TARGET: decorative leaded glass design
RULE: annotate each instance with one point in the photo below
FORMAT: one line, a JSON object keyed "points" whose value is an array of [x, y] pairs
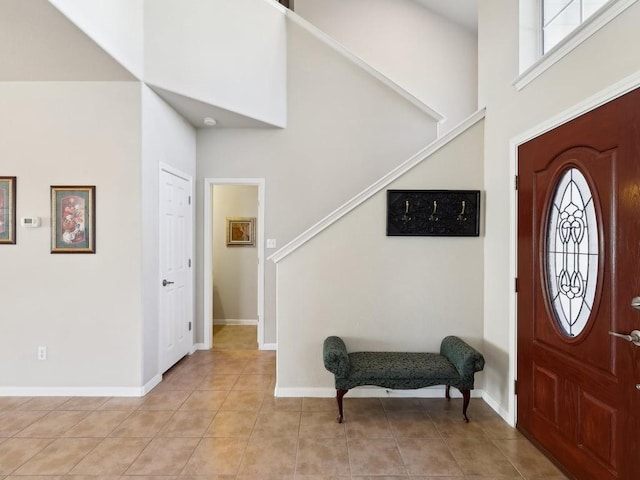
{"points": [[572, 252]]}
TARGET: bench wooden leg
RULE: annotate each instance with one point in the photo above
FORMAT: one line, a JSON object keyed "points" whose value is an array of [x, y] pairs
{"points": [[339, 396], [447, 393], [466, 395]]}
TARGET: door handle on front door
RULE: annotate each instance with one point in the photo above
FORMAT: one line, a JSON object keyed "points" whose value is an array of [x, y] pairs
{"points": [[166, 282], [635, 303], [633, 337]]}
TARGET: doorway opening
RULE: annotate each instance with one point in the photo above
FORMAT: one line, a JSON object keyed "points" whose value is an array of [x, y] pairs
{"points": [[233, 256]]}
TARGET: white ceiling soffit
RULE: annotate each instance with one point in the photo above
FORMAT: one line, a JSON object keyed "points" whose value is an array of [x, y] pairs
{"points": [[462, 12], [195, 111]]}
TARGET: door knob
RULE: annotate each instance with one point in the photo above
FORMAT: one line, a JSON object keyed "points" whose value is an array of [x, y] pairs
{"points": [[635, 303], [166, 282], [633, 337]]}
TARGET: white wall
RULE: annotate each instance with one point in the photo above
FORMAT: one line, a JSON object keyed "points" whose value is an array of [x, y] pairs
{"points": [[38, 43], [116, 25], [379, 292], [166, 139], [428, 55], [235, 269], [85, 308], [230, 54], [345, 131], [601, 61]]}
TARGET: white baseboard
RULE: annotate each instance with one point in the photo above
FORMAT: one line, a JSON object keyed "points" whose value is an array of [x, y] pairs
{"points": [[372, 392], [234, 321], [81, 391], [506, 416], [199, 346], [269, 346]]}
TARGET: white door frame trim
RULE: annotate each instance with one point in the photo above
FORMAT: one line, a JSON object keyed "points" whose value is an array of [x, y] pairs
{"points": [[192, 248], [207, 256], [600, 98]]}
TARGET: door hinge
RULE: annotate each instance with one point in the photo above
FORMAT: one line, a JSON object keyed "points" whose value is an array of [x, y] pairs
{"points": [[189, 326], [516, 284], [515, 387], [189, 263], [515, 183], [189, 199]]}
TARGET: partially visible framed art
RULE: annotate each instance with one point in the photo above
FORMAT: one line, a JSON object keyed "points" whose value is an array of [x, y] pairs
{"points": [[241, 232], [73, 219], [7, 210]]}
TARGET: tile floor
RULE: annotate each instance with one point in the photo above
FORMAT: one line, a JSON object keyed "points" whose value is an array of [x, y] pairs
{"points": [[214, 417]]}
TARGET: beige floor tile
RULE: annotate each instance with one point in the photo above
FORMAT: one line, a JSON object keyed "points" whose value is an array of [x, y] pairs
{"points": [[142, 424], [319, 405], [477, 455], [412, 424], [401, 404], [451, 424], [284, 404], [186, 382], [275, 457], [9, 403], [232, 424], [122, 403], [371, 406], [88, 477], [59, 457], [497, 428], [218, 382], [187, 424], [428, 457], [164, 456], [43, 403], [230, 366], [261, 367], [13, 421], [378, 456], [111, 457], [322, 456], [321, 425], [167, 400], [243, 401], [277, 424], [83, 403], [529, 461], [364, 425], [14, 452], [98, 424], [205, 400], [34, 477], [216, 456], [258, 383], [53, 424], [208, 477]]}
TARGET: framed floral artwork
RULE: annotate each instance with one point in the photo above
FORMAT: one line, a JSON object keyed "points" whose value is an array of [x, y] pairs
{"points": [[73, 219], [7, 210], [241, 232]]}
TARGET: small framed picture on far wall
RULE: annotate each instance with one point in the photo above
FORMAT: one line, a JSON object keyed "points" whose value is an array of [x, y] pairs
{"points": [[241, 231]]}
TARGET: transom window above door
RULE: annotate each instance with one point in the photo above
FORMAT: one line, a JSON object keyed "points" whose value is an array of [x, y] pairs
{"points": [[561, 17]]}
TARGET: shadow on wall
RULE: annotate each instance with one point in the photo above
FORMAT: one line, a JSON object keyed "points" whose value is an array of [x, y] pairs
{"points": [[217, 307], [496, 373]]}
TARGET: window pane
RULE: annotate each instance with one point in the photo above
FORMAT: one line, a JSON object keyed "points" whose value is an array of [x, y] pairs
{"points": [[572, 252], [561, 17]]}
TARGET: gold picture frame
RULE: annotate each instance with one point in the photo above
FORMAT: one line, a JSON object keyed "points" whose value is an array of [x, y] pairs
{"points": [[73, 219], [241, 231], [7, 210]]}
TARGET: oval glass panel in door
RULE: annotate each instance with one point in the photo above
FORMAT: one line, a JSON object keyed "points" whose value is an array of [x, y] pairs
{"points": [[572, 252]]}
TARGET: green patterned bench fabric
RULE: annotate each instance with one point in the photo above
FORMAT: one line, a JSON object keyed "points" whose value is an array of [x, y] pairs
{"points": [[454, 366]]}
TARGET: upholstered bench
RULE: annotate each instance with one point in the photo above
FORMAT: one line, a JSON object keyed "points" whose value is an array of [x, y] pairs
{"points": [[454, 366]]}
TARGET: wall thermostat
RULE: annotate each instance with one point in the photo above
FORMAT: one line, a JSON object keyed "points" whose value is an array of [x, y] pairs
{"points": [[30, 222]]}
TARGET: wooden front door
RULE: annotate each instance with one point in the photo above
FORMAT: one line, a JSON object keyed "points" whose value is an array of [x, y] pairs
{"points": [[578, 271]]}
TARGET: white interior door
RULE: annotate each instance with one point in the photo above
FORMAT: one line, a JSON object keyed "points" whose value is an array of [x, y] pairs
{"points": [[176, 283]]}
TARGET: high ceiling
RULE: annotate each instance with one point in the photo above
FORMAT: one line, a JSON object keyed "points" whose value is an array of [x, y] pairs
{"points": [[463, 12]]}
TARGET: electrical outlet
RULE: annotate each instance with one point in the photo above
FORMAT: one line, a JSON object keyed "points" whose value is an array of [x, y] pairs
{"points": [[42, 353]]}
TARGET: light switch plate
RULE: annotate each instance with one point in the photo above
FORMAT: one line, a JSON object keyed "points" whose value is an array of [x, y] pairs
{"points": [[271, 243]]}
